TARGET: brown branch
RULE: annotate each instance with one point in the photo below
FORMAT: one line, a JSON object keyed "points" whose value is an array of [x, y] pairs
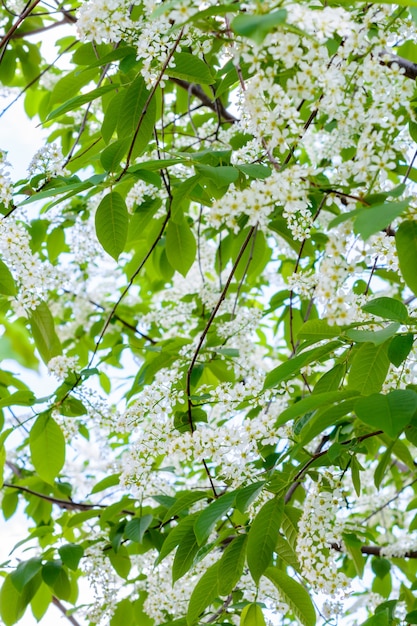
{"points": [[297, 478], [215, 105], [64, 611], [389, 59], [69, 505], [27, 11], [376, 551]]}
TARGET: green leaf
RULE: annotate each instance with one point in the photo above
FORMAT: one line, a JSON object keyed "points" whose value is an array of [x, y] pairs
{"points": [[230, 566], [378, 217], [252, 615], [25, 571], [112, 156], [47, 447], [137, 116], [136, 528], [406, 242], [390, 413], [257, 27], [293, 594], [369, 368], [180, 246], [71, 554], [112, 223], [222, 175], [183, 502], [121, 561], [312, 402], [388, 308], [354, 545], [185, 555], [176, 535], [295, 363], [105, 483], [399, 348], [43, 332], [78, 101], [376, 337], [204, 593], [191, 68], [317, 330], [208, 517], [262, 537], [12, 606], [247, 495], [7, 284]]}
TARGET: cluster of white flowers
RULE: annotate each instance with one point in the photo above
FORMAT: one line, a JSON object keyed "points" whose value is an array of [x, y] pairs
{"points": [[287, 189], [62, 365], [48, 161], [6, 186], [140, 192], [319, 528], [34, 277]]}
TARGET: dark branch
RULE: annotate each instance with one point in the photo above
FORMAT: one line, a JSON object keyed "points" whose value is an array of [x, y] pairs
{"points": [[389, 59], [376, 551], [215, 105], [64, 611]]}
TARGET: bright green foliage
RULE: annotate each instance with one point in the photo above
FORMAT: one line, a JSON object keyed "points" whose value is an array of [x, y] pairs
{"points": [[208, 281]]}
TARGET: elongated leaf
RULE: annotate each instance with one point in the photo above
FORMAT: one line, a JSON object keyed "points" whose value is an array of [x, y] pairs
{"points": [[180, 246], [176, 536], [203, 595], [75, 103], [137, 115], [262, 537], [191, 68], [112, 223], [12, 605], [230, 566], [7, 284], [258, 26], [318, 330], [294, 595], [185, 555], [293, 365], [388, 308], [369, 368], [373, 336], [390, 413], [378, 217], [313, 402], [47, 447], [112, 156], [209, 516], [43, 332], [183, 502], [245, 496], [406, 242]]}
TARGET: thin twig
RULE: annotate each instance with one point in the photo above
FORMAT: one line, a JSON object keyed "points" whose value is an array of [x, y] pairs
{"points": [[64, 611]]}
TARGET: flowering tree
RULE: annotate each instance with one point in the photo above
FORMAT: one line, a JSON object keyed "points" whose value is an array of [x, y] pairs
{"points": [[212, 265]]}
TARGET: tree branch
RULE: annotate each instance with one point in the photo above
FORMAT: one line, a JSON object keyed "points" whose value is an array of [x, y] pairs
{"points": [[215, 105], [64, 611], [376, 551], [388, 58], [69, 505]]}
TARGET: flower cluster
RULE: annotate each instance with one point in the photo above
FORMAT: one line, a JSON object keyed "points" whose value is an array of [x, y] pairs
{"points": [[319, 529], [5, 181], [47, 161]]}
